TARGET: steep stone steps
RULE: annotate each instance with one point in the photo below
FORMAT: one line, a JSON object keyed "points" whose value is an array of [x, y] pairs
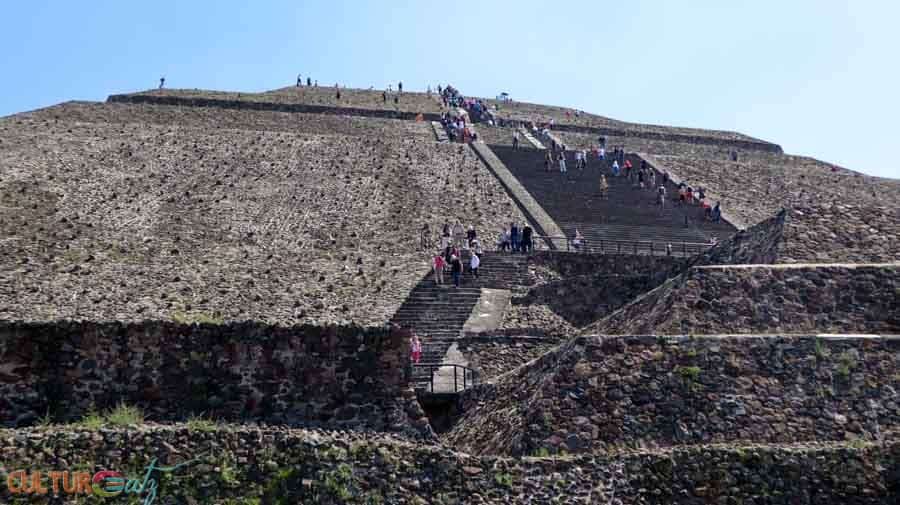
{"points": [[437, 314], [531, 138], [628, 214]]}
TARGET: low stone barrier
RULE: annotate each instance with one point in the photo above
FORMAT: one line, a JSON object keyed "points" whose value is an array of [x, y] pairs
{"points": [[270, 106], [338, 377], [673, 137], [600, 393], [243, 464]]}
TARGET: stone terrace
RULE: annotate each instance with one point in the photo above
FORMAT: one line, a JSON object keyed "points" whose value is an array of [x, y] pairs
{"points": [[523, 111], [244, 464], [212, 118], [132, 221], [574, 140], [320, 96], [601, 394], [821, 234], [756, 187], [765, 299]]}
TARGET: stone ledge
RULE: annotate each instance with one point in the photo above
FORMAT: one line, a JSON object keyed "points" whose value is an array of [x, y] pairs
{"points": [[269, 465], [270, 106], [672, 137]]}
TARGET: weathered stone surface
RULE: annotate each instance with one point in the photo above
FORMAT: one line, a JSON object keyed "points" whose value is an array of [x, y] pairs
{"points": [[566, 120], [759, 185], [294, 98], [234, 464], [800, 298], [569, 290], [494, 353], [132, 220], [337, 377], [597, 394]]}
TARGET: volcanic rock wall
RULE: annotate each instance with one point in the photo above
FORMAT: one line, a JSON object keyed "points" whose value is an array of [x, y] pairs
{"points": [[597, 394], [765, 299], [269, 465], [571, 290], [339, 377]]}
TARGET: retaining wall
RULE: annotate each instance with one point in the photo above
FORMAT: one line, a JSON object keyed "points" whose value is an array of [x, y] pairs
{"points": [[270, 466], [270, 106], [339, 377]]}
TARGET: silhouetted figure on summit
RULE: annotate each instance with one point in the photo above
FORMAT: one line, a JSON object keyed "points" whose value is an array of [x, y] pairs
{"points": [[162, 82], [308, 81], [299, 81], [400, 86]]}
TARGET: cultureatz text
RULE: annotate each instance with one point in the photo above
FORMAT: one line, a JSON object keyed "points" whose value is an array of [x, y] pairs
{"points": [[105, 483]]}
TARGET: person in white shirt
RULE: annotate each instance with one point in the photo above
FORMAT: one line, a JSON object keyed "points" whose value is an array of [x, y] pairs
{"points": [[578, 240], [474, 264], [562, 164]]}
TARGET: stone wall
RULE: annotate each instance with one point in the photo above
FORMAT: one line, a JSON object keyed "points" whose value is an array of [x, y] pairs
{"points": [[672, 137], [270, 106], [339, 377], [842, 298], [600, 394], [498, 351], [272, 466], [572, 290]]}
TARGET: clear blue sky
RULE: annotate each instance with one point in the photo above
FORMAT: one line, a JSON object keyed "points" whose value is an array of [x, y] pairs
{"points": [[819, 77]]}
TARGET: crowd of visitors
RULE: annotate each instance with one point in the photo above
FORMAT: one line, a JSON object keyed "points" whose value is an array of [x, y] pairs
{"points": [[455, 242]]}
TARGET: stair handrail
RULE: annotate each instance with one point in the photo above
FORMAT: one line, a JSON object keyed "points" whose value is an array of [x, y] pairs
{"points": [[466, 373], [625, 245]]}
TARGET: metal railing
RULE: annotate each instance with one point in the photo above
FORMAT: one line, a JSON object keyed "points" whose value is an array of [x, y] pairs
{"points": [[561, 243], [621, 246], [462, 376]]}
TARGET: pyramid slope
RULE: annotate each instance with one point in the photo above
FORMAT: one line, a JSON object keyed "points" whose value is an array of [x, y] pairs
{"points": [[599, 394], [134, 220]]}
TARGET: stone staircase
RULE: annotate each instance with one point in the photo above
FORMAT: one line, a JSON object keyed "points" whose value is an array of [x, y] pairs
{"points": [[440, 133], [531, 138], [437, 314], [627, 216]]}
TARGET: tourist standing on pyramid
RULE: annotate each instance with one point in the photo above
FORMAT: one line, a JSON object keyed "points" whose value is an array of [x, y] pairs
{"points": [[514, 236], [474, 263], [299, 81], [515, 139], [425, 237], [471, 235], [456, 269], [445, 236], [308, 81], [459, 233], [162, 82], [438, 263], [415, 348], [527, 240]]}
